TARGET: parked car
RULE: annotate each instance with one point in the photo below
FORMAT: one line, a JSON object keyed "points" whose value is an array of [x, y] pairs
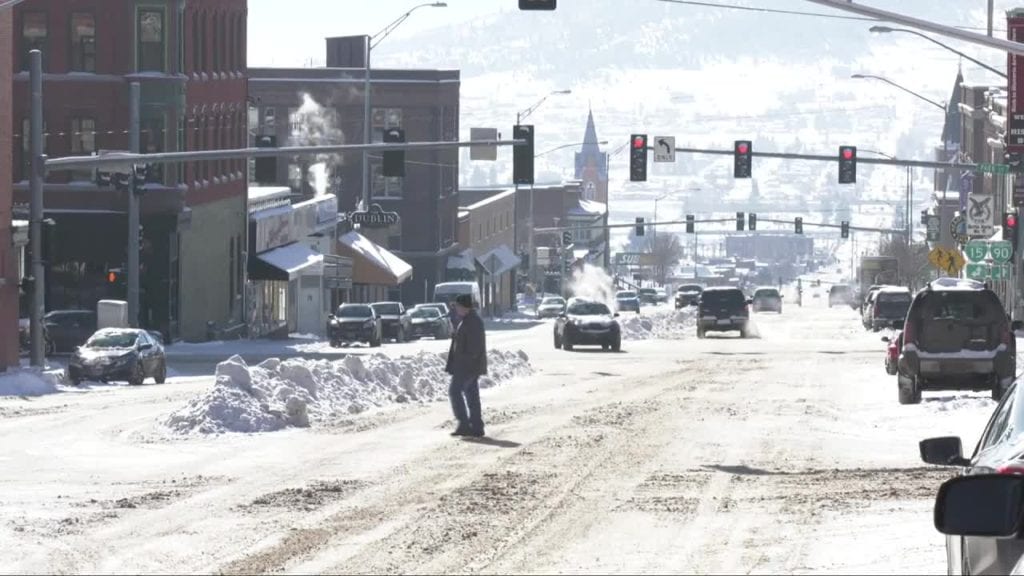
{"points": [[865, 305], [627, 301], [839, 295], [688, 295], [354, 323], [443, 309], [723, 309], [648, 295], [662, 295], [892, 353], [982, 508], [889, 307], [588, 323], [956, 336], [997, 452], [394, 319], [767, 300], [551, 307], [428, 321], [65, 330], [112, 354]]}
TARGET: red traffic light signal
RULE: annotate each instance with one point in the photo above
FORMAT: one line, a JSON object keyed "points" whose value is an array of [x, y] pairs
{"points": [[742, 147], [847, 153], [111, 277], [1011, 220], [639, 142]]}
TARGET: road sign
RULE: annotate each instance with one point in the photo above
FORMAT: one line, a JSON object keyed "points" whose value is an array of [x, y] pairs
{"points": [[956, 262], [981, 215], [664, 148], [994, 168], [1001, 251], [488, 153], [933, 228], [1000, 272], [976, 251], [958, 229], [978, 271], [948, 260], [493, 264]]}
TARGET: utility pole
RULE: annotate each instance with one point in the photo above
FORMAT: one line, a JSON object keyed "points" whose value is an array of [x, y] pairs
{"points": [[366, 127], [991, 10], [36, 210], [135, 106]]}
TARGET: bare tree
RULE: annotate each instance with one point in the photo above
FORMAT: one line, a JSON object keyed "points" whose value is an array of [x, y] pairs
{"points": [[666, 251], [915, 270]]}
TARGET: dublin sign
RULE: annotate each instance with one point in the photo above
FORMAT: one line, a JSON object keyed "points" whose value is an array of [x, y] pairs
{"points": [[375, 217]]}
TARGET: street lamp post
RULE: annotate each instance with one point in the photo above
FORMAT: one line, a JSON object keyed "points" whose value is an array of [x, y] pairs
{"points": [[371, 43], [899, 86], [520, 116], [888, 29]]}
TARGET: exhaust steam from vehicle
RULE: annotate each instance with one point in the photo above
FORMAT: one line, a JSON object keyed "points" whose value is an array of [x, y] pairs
{"points": [[593, 283]]}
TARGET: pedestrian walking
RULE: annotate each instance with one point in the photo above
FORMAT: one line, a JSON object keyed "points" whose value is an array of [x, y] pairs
{"points": [[467, 361]]}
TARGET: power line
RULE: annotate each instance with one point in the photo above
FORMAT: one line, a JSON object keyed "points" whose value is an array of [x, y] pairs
{"points": [[795, 12]]}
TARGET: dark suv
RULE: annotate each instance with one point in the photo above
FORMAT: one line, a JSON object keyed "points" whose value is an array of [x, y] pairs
{"points": [[722, 309], [394, 319], [956, 336]]}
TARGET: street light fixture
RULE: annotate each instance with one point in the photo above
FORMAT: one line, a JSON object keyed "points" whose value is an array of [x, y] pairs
{"points": [[371, 43], [520, 116], [901, 87], [888, 29]]}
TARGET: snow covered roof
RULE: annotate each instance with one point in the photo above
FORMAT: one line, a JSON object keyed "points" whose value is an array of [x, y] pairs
{"points": [[378, 256], [504, 259], [956, 284], [292, 258]]}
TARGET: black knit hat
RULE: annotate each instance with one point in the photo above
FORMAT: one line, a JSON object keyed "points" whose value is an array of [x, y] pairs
{"points": [[464, 300]]}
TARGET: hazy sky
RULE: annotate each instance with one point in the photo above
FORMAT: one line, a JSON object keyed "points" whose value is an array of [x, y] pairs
{"points": [[290, 32]]}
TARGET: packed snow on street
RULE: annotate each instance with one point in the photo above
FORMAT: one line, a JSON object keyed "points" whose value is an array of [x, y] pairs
{"points": [[784, 453]]}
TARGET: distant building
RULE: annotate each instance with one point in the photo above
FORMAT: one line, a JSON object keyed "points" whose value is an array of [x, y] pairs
{"points": [[592, 165], [487, 239]]}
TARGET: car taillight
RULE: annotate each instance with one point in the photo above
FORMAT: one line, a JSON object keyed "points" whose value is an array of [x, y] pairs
{"points": [[909, 332], [1011, 469]]}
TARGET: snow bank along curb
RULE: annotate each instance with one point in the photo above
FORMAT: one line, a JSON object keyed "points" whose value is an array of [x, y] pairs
{"points": [[277, 394], [29, 382], [675, 325]]}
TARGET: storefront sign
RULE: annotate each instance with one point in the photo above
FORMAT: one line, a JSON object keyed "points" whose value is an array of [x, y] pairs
{"points": [[274, 228], [1015, 83], [375, 217]]}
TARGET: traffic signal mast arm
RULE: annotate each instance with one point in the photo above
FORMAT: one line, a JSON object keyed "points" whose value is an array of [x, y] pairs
{"points": [[788, 223], [832, 159]]}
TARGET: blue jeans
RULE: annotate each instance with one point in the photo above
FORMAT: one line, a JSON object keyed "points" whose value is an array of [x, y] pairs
{"points": [[465, 391]]}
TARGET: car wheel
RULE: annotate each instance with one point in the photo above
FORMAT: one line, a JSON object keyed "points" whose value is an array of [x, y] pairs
{"points": [[617, 345], [558, 343], [744, 333], [375, 343], [400, 337], [566, 345], [909, 391], [138, 375], [161, 374], [700, 333]]}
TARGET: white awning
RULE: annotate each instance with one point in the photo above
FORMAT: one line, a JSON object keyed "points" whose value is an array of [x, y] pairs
{"points": [[294, 258], [462, 261], [498, 261], [383, 259]]}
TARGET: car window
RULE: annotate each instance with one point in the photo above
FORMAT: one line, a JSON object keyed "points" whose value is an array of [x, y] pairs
{"points": [[354, 312], [588, 309], [1000, 426], [112, 340], [722, 297], [429, 313], [626, 295], [955, 307], [558, 301], [767, 293], [391, 308]]}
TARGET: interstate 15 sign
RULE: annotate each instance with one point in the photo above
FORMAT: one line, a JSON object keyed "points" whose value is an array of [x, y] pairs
{"points": [[375, 217]]}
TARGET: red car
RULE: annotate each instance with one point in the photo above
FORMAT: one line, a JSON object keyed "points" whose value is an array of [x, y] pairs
{"points": [[892, 355]]}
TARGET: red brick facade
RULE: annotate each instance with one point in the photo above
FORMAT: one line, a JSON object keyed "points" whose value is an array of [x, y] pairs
{"points": [[8, 261]]}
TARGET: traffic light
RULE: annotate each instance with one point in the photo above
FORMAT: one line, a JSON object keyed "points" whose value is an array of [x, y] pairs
{"points": [[113, 276], [798, 225], [394, 160], [742, 154], [847, 164], [122, 181], [1010, 228], [740, 221], [522, 156], [689, 224], [538, 4], [266, 166], [566, 238], [752, 222], [104, 179], [639, 226], [845, 227], [638, 158], [140, 173]]}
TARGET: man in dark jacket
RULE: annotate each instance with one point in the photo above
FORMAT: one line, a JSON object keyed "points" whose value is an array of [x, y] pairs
{"points": [[467, 361]]}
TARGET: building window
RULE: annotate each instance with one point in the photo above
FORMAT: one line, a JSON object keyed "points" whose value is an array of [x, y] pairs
{"points": [[241, 42], [197, 44], [224, 44], [83, 143], [390, 187], [151, 141], [83, 42], [384, 118], [216, 46], [151, 41], [34, 33]]}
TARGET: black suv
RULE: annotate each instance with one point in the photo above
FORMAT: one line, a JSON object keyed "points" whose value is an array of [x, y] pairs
{"points": [[688, 295], [956, 336], [722, 309], [395, 320], [354, 323]]}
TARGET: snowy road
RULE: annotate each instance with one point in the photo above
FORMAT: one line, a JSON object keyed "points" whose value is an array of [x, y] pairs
{"points": [[787, 453]]}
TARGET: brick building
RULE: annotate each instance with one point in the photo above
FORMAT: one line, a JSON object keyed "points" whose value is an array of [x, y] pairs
{"points": [[190, 59], [424, 103], [486, 238], [9, 261]]}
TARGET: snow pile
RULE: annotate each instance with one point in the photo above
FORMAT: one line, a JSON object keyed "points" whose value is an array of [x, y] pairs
{"points": [[674, 325], [27, 383], [277, 394], [594, 284]]}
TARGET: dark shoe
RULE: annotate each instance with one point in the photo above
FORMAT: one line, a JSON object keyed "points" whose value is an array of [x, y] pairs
{"points": [[462, 431], [476, 433]]}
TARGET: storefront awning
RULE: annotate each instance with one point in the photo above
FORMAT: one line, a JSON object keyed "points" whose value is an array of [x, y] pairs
{"points": [[498, 261], [286, 263], [462, 261], [373, 264]]}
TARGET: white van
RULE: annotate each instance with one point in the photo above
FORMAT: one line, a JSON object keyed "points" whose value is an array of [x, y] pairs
{"points": [[446, 292]]}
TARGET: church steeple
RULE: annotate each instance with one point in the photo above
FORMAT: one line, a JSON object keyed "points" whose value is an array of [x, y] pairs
{"points": [[590, 142]]}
